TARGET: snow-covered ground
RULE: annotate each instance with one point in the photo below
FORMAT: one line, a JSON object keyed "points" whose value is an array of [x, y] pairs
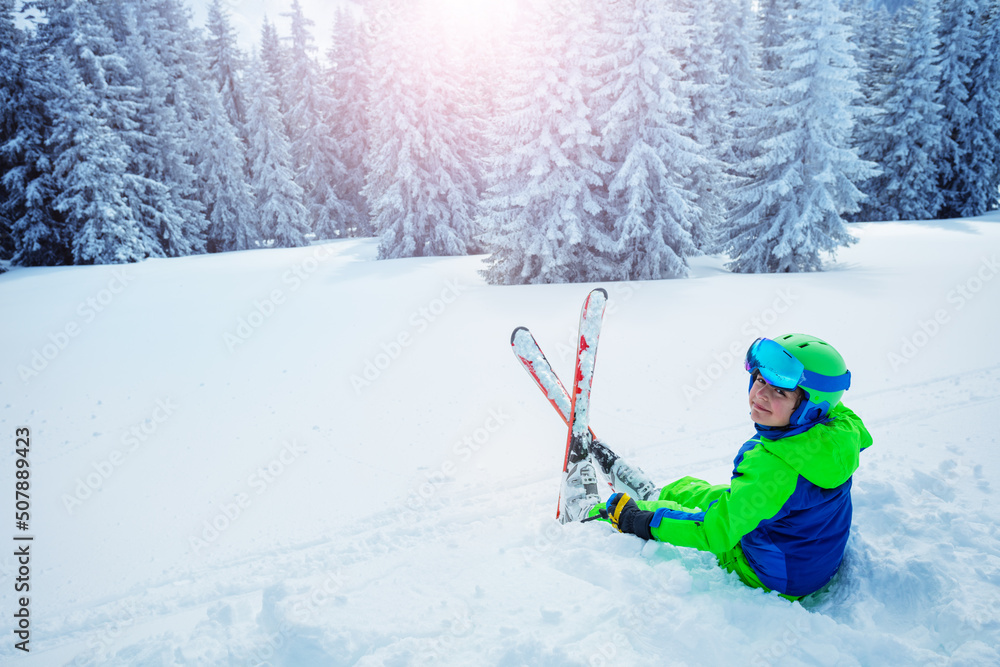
{"points": [[306, 457]]}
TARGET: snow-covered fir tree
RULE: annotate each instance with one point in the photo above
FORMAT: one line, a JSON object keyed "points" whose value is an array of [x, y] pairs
{"points": [[221, 167], [473, 62], [206, 132], [891, 6], [314, 150], [740, 82], [169, 206], [709, 124], [806, 175], [275, 59], [545, 211], [90, 171], [39, 233], [99, 195], [349, 78], [645, 140], [282, 217], [775, 16], [976, 190], [225, 64], [11, 43], [959, 52], [873, 30], [232, 219], [741, 97], [420, 186], [210, 140], [905, 137]]}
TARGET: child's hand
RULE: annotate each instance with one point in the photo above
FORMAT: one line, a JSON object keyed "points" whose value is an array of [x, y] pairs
{"points": [[625, 515]]}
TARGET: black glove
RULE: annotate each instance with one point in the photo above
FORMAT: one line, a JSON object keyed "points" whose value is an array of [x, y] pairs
{"points": [[626, 516]]}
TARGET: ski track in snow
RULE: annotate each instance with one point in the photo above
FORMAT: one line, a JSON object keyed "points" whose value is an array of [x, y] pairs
{"points": [[469, 566]]}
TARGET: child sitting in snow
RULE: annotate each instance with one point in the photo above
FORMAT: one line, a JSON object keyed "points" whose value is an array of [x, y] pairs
{"points": [[783, 520]]}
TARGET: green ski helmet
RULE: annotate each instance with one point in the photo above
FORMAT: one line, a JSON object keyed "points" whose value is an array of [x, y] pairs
{"points": [[800, 360]]}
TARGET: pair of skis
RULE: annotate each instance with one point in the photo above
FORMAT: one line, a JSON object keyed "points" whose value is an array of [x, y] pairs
{"points": [[581, 443]]}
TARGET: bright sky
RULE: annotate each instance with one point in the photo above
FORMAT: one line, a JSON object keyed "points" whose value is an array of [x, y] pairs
{"points": [[248, 15], [471, 17]]}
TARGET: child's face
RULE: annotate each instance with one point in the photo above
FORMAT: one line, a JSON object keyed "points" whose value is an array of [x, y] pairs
{"points": [[771, 406]]}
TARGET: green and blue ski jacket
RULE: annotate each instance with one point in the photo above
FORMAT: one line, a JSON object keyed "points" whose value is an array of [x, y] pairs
{"points": [[783, 520]]}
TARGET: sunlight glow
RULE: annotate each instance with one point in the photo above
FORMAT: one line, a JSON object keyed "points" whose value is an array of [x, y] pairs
{"points": [[474, 16]]}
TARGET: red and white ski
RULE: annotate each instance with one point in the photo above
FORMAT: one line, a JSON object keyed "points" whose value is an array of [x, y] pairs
{"points": [[579, 437], [530, 354], [620, 475]]}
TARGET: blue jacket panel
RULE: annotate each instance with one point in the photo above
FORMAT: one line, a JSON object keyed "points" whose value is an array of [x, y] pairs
{"points": [[798, 550]]}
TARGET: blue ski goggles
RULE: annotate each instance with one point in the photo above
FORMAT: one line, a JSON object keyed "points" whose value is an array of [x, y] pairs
{"points": [[776, 365]]}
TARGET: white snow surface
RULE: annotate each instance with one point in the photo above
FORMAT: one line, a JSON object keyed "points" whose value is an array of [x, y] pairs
{"points": [[368, 477]]}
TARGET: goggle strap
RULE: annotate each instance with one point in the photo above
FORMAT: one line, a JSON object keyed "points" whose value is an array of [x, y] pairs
{"points": [[827, 383]]}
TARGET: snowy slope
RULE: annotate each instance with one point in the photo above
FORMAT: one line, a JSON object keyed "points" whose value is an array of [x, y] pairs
{"points": [[305, 456]]}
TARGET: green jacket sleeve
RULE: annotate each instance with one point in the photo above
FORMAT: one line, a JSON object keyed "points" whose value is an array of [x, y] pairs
{"points": [[761, 486], [693, 492]]}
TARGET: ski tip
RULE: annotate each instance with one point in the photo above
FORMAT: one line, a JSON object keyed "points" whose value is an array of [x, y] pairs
{"points": [[597, 295], [513, 334]]}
